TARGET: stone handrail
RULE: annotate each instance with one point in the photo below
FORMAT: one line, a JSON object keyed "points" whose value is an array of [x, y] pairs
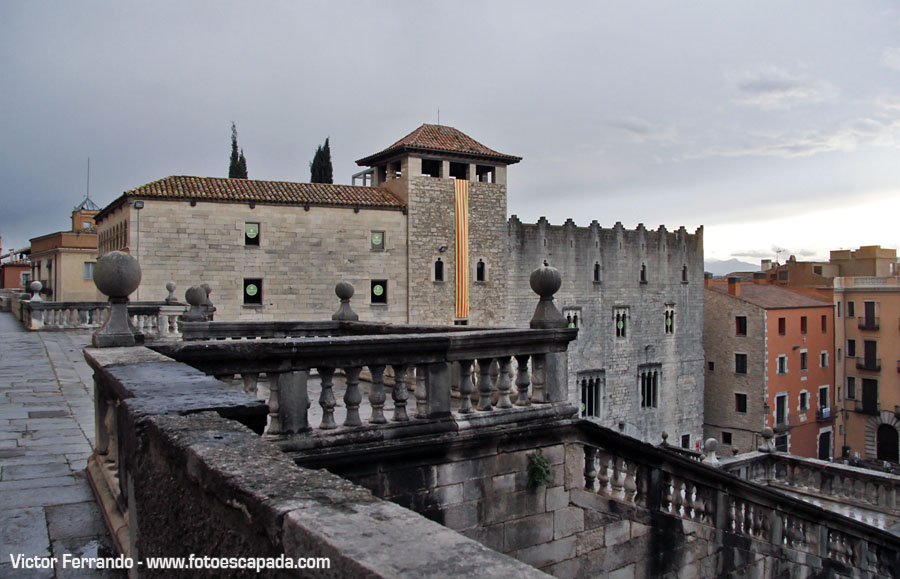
{"points": [[865, 488], [428, 363], [155, 320], [645, 477], [192, 331]]}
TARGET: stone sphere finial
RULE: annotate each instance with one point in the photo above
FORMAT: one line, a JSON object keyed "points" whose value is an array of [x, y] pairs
{"points": [[36, 288], [711, 446], [196, 297], [344, 291], [768, 444], [546, 281], [665, 437], [170, 287], [768, 433], [117, 274]]}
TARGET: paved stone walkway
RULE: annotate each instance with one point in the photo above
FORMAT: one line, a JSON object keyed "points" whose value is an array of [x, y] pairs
{"points": [[46, 436]]}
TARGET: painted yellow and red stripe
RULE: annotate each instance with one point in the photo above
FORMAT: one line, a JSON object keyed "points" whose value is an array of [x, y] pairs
{"points": [[462, 248]]}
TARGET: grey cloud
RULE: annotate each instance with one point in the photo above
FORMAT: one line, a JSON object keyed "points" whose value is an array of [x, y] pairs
{"points": [[772, 88], [641, 130], [890, 57]]}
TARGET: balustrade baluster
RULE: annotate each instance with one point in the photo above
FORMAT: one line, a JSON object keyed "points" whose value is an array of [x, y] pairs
{"points": [[689, 505], [400, 393], [590, 471], [274, 424], [677, 496], [421, 391], [352, 396], [503, 383], [522, 381], [629, 483], [465, 386], [603, 475], [617, 479], [484, 384], [376, 395], [538, 378], [250, 381], [326, 398]]}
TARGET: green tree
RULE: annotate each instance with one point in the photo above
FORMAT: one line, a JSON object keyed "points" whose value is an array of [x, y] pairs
{"points": [[238, 167], [320, 170]]}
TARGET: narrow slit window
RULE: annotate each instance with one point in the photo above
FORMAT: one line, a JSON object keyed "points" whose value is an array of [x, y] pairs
{"points": [[439, 270], [480, 271]]}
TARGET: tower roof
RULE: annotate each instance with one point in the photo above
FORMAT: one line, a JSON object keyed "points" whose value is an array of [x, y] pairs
{"points": [[442, 140], [87, 205]]}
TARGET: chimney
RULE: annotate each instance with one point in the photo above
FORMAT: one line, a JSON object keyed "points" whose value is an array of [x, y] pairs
{"points": [[734, 286], [707, 279], [765, 265]]}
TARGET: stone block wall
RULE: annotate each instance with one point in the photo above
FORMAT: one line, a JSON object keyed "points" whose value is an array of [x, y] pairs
{"points": [[432, 224], [674, 279], [301, 256], [722, 382]]}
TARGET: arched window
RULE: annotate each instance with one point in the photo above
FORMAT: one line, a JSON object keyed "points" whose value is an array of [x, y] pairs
{"points": [[480, 271], [439, 270], [643, 273], [597, 271]]}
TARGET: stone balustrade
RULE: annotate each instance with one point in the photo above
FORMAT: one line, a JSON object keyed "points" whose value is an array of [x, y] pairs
{"points": [[634, 474], [865, 488], [155, 320], [429, 373]]}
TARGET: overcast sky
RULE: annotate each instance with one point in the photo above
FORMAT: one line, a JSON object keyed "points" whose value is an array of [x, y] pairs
{"points": [[775, 125]]}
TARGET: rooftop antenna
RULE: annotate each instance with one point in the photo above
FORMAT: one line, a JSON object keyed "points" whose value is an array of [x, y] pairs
{"points": [[87, 192], [439, 116]]}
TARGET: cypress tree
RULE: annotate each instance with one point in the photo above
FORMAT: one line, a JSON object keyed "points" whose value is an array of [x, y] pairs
{"points": [[237, 169], [320, 170]]}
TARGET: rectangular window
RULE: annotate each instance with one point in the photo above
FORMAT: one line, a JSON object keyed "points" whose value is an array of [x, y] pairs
{"points": [[591, 395], [378, 293], [781, 443], [89, 270], [711, 365], [670, 319], [851, 348], [649, 386], [253, 292], [740, 363], [804, 358], [804, 401], [823, 359], [781, 412], [782, 326], [782, 364], [376, 239], [726, 438], [823, 397], [870, 396], [740, 403], [686, 441], [802, 324], [572, 316], [26, 279], [251, 233], [839, 309], [480, 271], [851, 388], [824, 324], [621, 319], [851, 309], [740, 325]]}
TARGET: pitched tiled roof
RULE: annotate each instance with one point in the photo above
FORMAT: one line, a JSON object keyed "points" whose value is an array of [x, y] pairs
{"points": [[773, 297], [179, 187], [439, 139]]}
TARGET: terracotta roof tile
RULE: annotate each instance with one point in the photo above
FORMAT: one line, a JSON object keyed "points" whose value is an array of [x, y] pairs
{"points": [[179, 187], [773, 297], [440, 139]]}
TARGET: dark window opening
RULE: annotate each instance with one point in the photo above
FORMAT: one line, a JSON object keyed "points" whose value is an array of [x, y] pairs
{"points": [[684, 278], [621, 323], [395, 170], [439, 270], [740, 363], [817, 269], [486, 173], [712, 366], [643, 273], [431, 168], [726, 438], [686, 441], [782, 326], [459, 170], [378, 293], [740, 403], [740, 325], [649, 387], [251, 233], [480, 271], [253, 292], [804, 359], [802, 324], [824, 324], [783, 275], [851, 348], [590, 397], [851, 309], [461, 322], [851, 387], [781, 443], [870, 396], [670, 320], [597, 272]]}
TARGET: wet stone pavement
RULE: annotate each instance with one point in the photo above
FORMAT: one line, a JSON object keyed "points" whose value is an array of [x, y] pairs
{"points": [[46, 435]]}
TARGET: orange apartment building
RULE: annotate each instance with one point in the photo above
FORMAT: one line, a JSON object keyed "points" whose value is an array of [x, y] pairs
{"points": [[864, 287], [770, 353]]}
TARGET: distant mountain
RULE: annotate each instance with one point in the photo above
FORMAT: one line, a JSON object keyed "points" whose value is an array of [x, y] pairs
{"points": [[718, 268]]}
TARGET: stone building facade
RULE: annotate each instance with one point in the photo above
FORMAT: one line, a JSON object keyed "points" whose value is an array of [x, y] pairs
{"points": [[402, 230], [637, 298]]}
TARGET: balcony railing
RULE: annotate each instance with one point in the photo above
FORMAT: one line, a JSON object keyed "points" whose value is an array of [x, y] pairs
{"points": [[824, 414], [865, 323], [786, 423], [869, 364], [872, 407]]}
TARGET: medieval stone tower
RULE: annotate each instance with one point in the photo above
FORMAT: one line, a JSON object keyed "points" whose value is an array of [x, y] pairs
{"points": [[455, 192]]}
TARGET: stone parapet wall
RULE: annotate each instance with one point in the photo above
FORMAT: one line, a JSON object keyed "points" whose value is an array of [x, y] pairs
{"points": [[620, 253]]}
